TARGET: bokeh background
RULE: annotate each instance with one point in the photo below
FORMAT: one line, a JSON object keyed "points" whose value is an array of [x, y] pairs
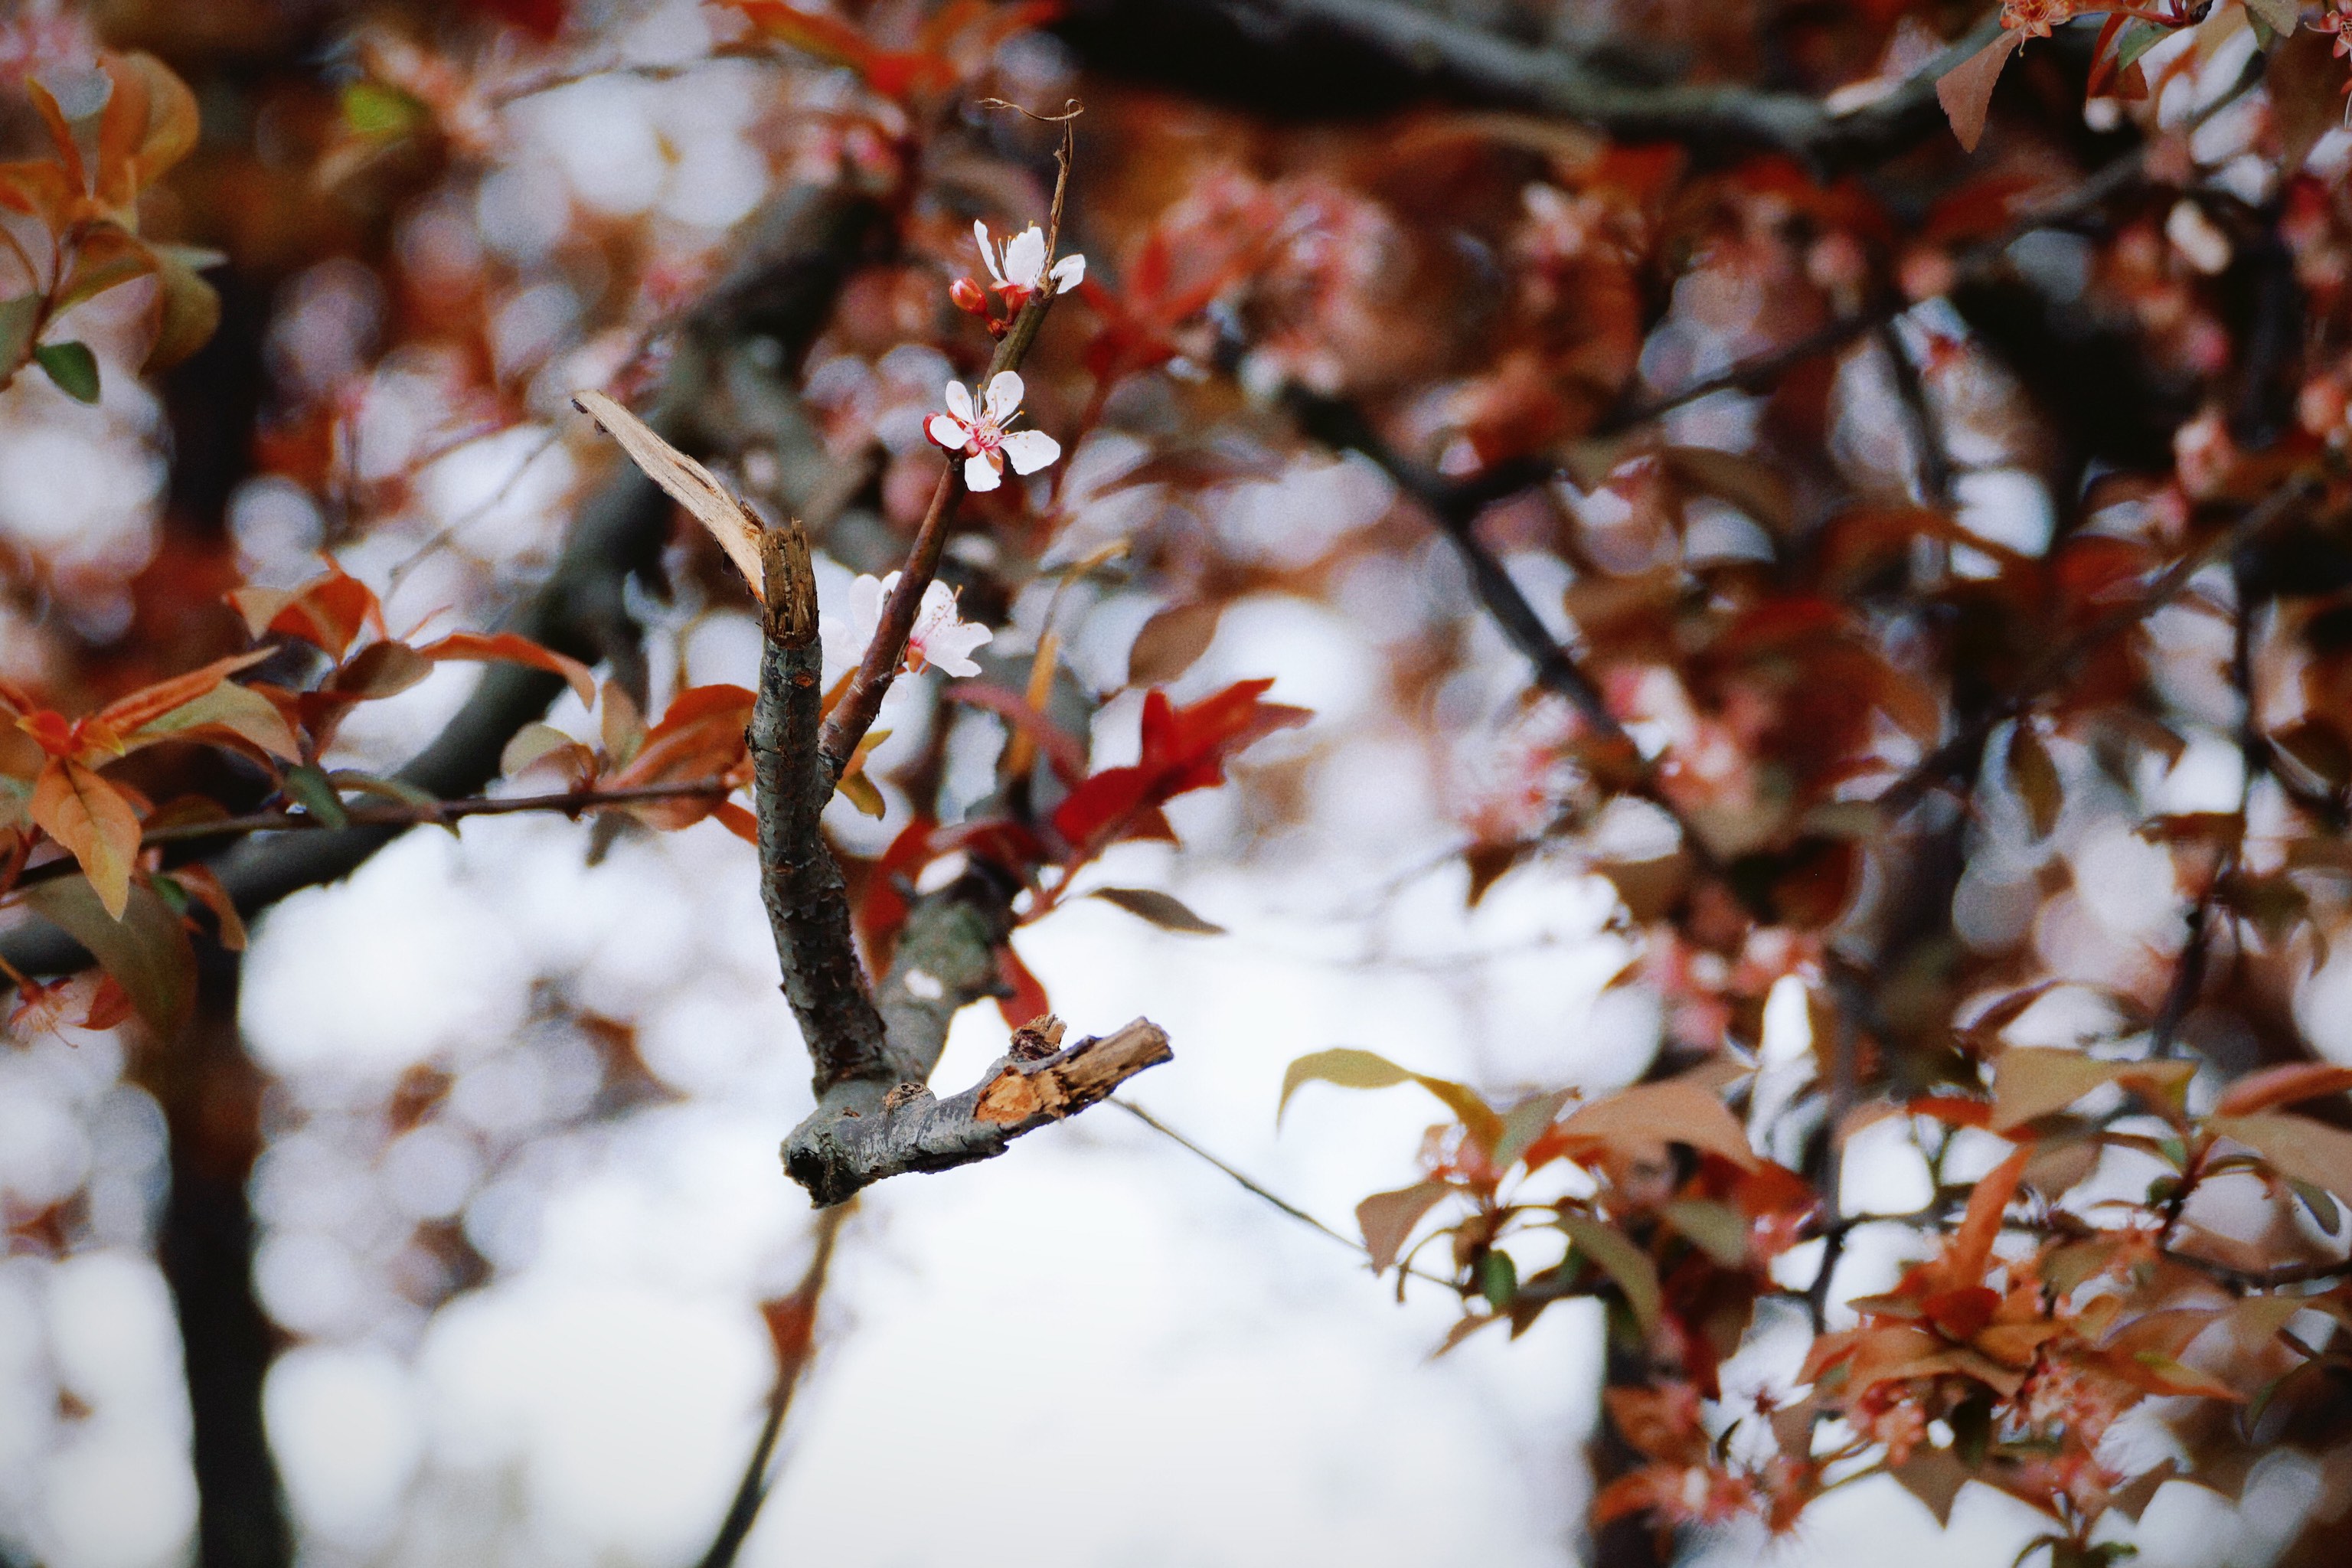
{"points": [[517, 1090]]}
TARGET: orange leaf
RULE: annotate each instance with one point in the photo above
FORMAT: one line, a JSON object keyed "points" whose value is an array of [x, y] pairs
{"points": [[2295, 1146], [91, 819], [1966, 90], [1971, 1250], [700, 737], [2283, 1086], [510, 648], [125, 715], [327, 611], [1675, 1112]]}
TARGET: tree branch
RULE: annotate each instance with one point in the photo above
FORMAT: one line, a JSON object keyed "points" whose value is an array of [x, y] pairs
{"points": [[1424, 50], [1456, 508], [808, 907], [911, 1129]]}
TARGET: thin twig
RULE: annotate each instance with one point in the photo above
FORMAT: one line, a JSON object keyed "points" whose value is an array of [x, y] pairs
{"points": [[855, 713], [571, 803], [792, 1356], [1260, 1191], [1456, 509]]}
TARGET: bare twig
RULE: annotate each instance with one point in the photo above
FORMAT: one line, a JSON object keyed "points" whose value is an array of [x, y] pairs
{"points": [[398, 814], [855, 713], [795, 1345], [1456, 508]]}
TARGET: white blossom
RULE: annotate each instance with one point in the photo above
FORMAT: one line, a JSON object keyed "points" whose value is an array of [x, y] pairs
{"points": [[1019, 267], [940, 638], [983, 436]]}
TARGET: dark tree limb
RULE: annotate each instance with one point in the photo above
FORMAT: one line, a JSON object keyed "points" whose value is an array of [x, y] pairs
{"points": [[798, 252], [1307, 50], [913, 1130], [808, 907]]}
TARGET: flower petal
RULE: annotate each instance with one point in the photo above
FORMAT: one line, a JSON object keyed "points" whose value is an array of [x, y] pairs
{"points": [[1031, 450], [1004, 395], [948, 431], [959, 402], [980, 472], [866, 596], [950, 648], [987, 252], [1024, 256], [1068, 273]]}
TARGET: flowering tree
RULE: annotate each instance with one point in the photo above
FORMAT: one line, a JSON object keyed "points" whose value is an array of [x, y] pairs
{"points": [[1869, 494]]}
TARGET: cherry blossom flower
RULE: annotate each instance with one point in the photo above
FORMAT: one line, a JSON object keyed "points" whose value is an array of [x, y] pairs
{"points": [[940, 638], [984, 436], [1018, 266]]}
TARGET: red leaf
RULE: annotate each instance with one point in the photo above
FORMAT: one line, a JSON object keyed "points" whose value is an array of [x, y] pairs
{"points": [[1184, 748], [883, 910], [1962, 1314], [510, 648], [1966, 90], [1028, 999], [108, 1004]]}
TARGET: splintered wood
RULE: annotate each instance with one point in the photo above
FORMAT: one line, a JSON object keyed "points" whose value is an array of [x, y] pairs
{"points": [[1066, 1083]]}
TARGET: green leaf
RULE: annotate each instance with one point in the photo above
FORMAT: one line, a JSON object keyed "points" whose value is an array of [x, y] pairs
{"points": [[1718, 1230], [400, 791], [2137, 40], [1624, 1262], [1498, 1279], [1524, 1122], [72, 367], [371, 109], [1348, 1068], [1352, 1069], [310, 789], [20, 318], [238, 709], [1162, 909], [2280, 14], [146, 951]]}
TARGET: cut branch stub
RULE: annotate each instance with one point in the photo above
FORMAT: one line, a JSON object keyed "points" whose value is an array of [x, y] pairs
{"points": [[839, 1151]]}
